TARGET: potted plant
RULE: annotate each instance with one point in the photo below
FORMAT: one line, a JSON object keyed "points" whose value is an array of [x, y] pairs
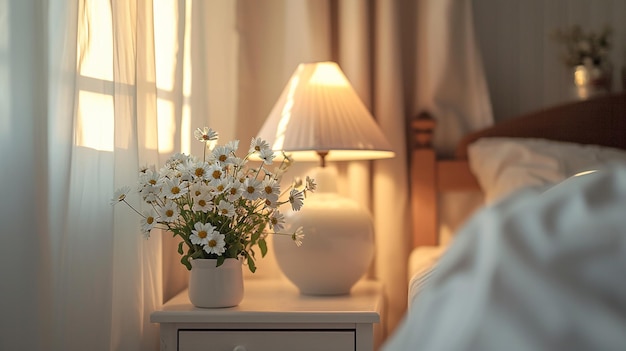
{"points": [[587, 54], [220, 207]]}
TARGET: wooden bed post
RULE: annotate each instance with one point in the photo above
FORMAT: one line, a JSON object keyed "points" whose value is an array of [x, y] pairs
{"points": [[423, 182]]}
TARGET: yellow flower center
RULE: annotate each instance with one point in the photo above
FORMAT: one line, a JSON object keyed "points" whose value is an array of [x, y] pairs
{"points": [[212, 243], [257, 148], [220, 188], [223, 158], [274, 221], [169, 213], [199, 172], [202, 203], [217, 174], [202, 234], [150, 220], [198, 192], [268, 189], [152, 181], [175, 190], [233, 191], [224, 211], [205, 137], [250, 189]]}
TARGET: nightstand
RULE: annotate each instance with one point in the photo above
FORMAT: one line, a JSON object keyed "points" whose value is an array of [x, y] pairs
{"points": [[275, 316]]}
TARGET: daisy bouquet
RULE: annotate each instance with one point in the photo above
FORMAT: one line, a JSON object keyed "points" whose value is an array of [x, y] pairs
{"points": [[218, 205]]}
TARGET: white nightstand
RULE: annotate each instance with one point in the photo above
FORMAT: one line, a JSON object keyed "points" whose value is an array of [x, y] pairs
{"points": [[274, 316]]}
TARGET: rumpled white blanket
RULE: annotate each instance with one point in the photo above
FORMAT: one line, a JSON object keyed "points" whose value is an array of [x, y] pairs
{"points": [[536, 271]]}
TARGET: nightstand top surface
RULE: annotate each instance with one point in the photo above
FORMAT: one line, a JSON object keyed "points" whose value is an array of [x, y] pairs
{"points": [[280, 302]]}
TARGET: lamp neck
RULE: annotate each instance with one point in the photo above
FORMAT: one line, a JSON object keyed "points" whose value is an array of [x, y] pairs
{"points": [[322, 155]]}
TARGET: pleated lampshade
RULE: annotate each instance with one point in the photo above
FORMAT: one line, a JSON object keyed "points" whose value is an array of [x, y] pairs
{"points": [[319, 111]]}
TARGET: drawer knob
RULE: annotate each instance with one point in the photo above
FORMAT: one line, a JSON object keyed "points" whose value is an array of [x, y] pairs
{"points": [[239, 348]]}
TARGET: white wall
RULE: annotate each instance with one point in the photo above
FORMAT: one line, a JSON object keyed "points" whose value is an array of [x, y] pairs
{"points": [[522, 61]]}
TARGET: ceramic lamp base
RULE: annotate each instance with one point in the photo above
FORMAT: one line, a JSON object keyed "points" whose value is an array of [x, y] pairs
{"points": [[337, 249]]}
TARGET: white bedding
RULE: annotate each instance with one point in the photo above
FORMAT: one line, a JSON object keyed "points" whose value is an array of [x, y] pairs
{"points": [[534, 271], [421, 262]]}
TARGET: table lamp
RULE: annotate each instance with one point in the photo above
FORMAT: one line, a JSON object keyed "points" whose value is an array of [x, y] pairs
{"points": [[319, 116]]}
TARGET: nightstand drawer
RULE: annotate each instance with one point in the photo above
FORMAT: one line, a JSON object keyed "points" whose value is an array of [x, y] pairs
{"points": [[258, 340]]}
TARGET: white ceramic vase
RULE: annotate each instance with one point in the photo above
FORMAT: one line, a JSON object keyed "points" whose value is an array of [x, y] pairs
{"points": [[215, 287]]}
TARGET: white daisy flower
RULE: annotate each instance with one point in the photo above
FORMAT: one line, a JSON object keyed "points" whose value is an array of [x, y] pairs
{"points": [[222, 154], [270, 189], [225, 208], [215, 244], [199, 170], [235, 188], [168, 212], [120, 195], [277, 221], [202, 204], [174, 188], [310, 184], [216, 173], [257, 144], [149, 177], [221, 186], [267, 156], [296, 198], [148, 221], [251, 189], [198, 189], [205, 134], [297, 236], [201, 232]]}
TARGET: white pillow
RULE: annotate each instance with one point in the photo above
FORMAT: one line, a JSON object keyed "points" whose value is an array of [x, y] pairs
{"points": [[504, 165]]}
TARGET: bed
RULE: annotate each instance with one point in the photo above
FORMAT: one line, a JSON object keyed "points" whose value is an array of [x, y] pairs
{"points": [[531, 162]]}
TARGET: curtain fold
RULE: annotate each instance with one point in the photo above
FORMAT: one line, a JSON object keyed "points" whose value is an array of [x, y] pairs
{"points": [[25, 261]]}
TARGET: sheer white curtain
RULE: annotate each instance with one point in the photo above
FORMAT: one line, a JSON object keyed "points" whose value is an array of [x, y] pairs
{"points": [[79, 111]]}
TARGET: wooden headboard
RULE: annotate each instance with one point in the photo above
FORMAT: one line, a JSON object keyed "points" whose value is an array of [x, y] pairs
{"points": [[599, 121]]}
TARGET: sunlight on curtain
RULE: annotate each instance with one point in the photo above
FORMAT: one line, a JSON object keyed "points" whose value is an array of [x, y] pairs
{"points": [[105, 266], [95, 103], [185, 123]]}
